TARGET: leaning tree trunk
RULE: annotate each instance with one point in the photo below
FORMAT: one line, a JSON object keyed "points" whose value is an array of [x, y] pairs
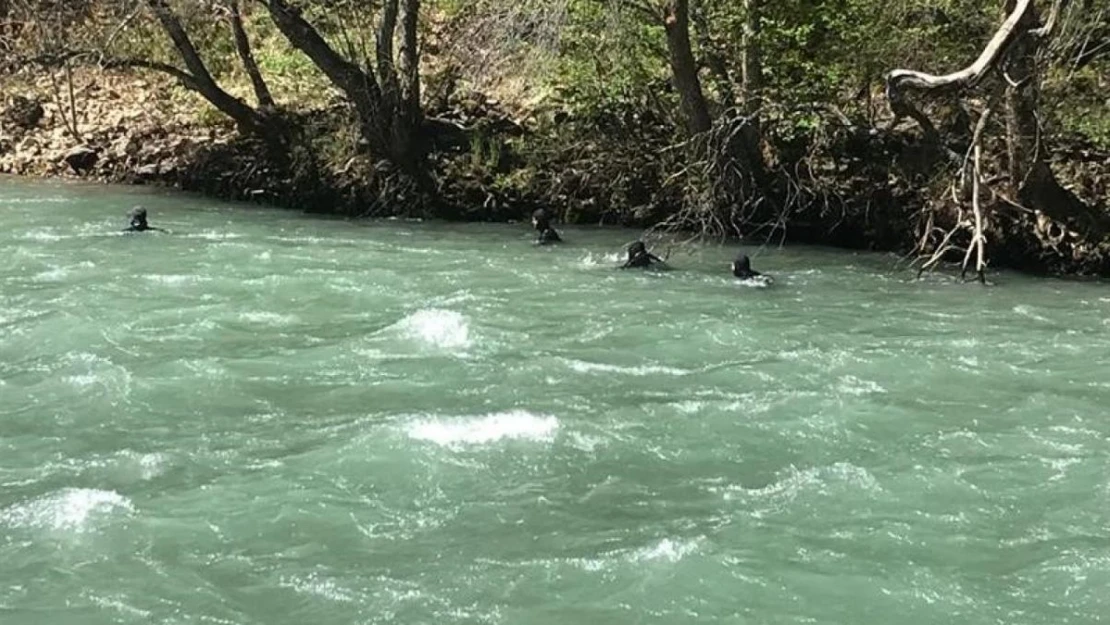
{"points": [[676, 23], [243, 47], [1022, 133], [200, 79]]}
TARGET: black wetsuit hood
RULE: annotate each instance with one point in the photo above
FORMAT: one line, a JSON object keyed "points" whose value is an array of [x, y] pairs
{"points": [[638, 256], [742, 267], [137, 218], [542, 224]]}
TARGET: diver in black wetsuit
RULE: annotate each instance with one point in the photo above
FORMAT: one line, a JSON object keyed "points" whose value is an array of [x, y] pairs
{"points": [[742, 268], [638, 256], [542, 225], [138, 223]]}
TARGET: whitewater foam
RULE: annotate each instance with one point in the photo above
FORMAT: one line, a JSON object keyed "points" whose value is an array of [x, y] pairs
{"points": [[584, 442], [314, 586], [459, 431], [150, 466], [41, 235], [445, 329], [599, 260], [666, 550], [71, 509], [757, 282], [94, 370]]}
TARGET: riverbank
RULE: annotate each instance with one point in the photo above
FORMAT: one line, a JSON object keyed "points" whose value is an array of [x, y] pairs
{"points": [[855, 188]]}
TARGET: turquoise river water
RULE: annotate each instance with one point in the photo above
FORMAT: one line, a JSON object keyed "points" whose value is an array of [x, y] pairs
{"points": [[264, 418]]}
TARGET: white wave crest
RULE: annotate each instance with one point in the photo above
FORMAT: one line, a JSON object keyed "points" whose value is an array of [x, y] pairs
{"points": [[445, 329], [176, 279], [57, 274], [147, 466], [666, 550], [582, 366], [267, 318], [213, 235], [1027, 311], [514, 424], [71, 509], [41, 235], [851, 385], [823, 480]]}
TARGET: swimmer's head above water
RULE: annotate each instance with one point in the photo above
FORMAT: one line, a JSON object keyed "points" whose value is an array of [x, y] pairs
{"points": [[542, 224], [742, 267], [638, 256], [137, 219]]}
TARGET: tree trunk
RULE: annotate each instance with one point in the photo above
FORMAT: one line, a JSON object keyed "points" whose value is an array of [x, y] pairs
{"points": [[248, 120], [752, 79], [386, 28], [1031, 179], [348, 77], [386, 96], [5, 29], [676, 22], [243, 46], [1022, 133], [408, 112], [713, 61]]}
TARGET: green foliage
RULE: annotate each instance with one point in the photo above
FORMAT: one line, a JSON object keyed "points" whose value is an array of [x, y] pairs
{"points": [[1077, 103], [486, 149], [610, 62]]}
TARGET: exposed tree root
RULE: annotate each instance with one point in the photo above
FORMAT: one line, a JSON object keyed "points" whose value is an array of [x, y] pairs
{"points": [[1009, 60]]}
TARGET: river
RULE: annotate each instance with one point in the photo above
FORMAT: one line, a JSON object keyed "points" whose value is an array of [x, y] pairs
{"points": [[266, 418]]}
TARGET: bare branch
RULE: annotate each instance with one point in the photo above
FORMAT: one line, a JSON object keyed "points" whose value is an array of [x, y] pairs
{"points": [[972, 74], [131, 15], [182, 76], [349, 77], [1050, 24]]}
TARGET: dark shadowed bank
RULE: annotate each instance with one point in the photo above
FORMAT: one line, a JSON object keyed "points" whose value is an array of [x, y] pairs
{"points": [[608, 169], [852, 185]]}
